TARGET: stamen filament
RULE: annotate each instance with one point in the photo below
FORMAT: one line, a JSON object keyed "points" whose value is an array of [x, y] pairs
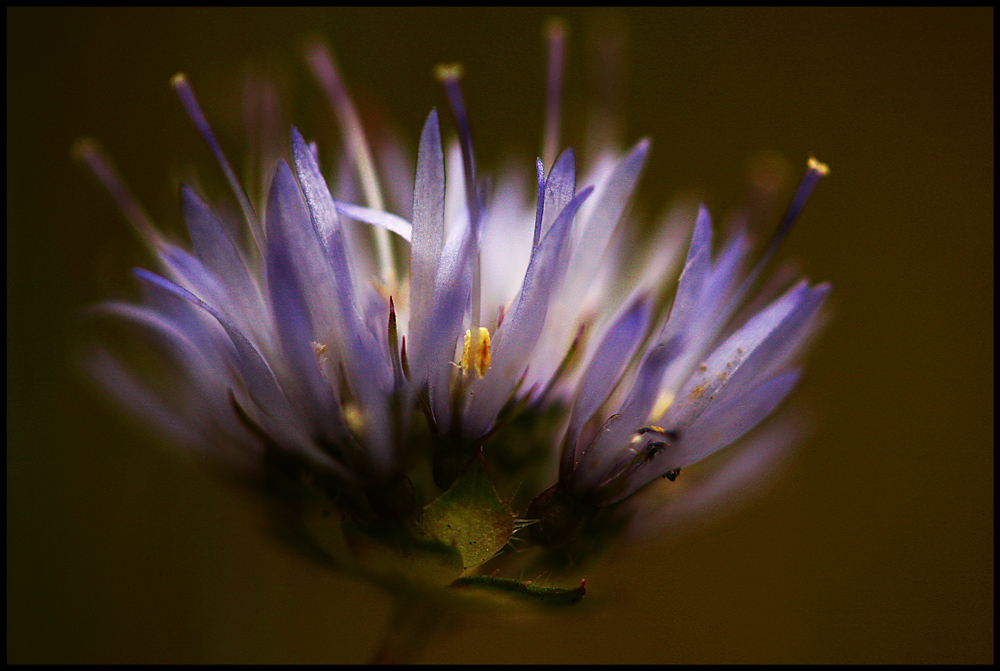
{"points": [[449, 75], [555, 33], [184, 91], [325, 70], [814, 171], [92, 153]]}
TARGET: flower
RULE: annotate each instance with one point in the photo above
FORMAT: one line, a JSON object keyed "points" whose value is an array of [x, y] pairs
{"points": [[496, 368]]}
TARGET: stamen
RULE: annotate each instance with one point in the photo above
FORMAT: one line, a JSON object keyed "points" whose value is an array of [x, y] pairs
{"points": [[323, 362], [555, 33], [184, 91], [814, 171], [325, 70], [476, 351], [92, 153], [608, 60], [449, 76]]}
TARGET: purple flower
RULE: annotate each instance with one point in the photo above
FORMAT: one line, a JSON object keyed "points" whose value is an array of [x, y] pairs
{"points": [[382, 358]]}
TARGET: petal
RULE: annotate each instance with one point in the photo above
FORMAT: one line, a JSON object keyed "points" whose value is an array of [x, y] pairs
{"points": [[451, 304], [386, 220], [118, 380], [522, 325], [784, 342], [427, 240], [670, 507], [296, 273], [607, 365], [613, 443], [257, 375], [191, 273], [713, 311], [600, 217], [728, 420], [559, 189], [722, 425], [196, 383], [317, 195], [197, 326], [519, 332], [361, 348], [755, 349], [212, 244], [696, 271], [367, 365], [219, 254], [539, 201]]}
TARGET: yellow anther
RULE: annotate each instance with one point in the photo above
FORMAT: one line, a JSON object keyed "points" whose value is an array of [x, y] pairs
{"points": [[821, 168], [319, 351], [448, 71], [476, 351]]}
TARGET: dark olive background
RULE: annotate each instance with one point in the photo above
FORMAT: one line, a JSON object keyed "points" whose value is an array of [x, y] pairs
{"points": [[874, 545]]}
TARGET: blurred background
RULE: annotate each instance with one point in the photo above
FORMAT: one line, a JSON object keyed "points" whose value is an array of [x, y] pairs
{"points": [[875, 543]]}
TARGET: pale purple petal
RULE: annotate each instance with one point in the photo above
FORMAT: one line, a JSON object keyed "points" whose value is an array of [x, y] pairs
{"points": [[216, 250], [451, 304], [378, 218], [722, 365], [607, 365], [175, 424], [261, 385], [520, 329], [295, 268], [599, 218], [363, 354], [669, 508], [559, 189], [614, 443], [696, 271], [427, 241], [724, 423], [727, 420]]}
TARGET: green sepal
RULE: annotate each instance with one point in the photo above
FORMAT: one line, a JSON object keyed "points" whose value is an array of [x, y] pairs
{"points": [[387, 548], [506, 590], [470, 516]]}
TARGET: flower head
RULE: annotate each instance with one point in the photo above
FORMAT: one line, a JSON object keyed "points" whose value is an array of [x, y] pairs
{"points": [[497, 366]]}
